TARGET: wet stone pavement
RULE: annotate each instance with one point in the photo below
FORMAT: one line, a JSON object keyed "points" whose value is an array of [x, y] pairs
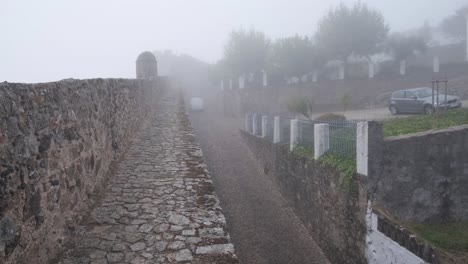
{"points": [[160, 205]]}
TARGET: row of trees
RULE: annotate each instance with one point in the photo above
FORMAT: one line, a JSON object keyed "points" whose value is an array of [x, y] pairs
{"points": [[345, 32], [455, 24]]}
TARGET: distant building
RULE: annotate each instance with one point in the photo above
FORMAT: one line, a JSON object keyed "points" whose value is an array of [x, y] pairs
{"points": [[146, 66]]}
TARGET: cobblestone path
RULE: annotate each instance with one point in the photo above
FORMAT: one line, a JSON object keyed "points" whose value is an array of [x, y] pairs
{"points": [[160, 205]]}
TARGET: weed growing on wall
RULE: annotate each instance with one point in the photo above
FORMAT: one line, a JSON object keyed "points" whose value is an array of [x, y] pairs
{"points": [[304, 151], [346, 168]]}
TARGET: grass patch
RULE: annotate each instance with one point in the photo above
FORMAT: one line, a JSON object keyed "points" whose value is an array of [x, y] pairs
{"points": [[450, 236], [414, 124]]}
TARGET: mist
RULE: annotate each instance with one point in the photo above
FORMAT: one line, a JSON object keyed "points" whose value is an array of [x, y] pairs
{"points": [[52, 40]]}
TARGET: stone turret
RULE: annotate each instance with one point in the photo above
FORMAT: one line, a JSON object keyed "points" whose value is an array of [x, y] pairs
{"points": [[146, 66]]}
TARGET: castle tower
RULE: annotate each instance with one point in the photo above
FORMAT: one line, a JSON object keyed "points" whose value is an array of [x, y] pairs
{"points": [[146, 66]]}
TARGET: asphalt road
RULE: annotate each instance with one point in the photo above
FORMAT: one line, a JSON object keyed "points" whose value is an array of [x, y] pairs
{"points": [[263, 228]]}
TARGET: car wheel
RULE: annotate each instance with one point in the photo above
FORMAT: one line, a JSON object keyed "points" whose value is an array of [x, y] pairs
{"points": [[428, 109], [393, 110]]}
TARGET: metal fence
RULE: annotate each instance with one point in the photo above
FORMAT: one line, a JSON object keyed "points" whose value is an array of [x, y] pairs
{"points": [[285, 130], [341, 134], [270, 127], [342, 139], [306, 133]]}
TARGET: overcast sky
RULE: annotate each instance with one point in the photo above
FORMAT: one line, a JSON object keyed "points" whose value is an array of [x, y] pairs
{"points": [[48, 40]]}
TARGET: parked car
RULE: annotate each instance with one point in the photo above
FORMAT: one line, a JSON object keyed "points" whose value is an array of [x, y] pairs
{"points": [[196, 104], [419, 100]]}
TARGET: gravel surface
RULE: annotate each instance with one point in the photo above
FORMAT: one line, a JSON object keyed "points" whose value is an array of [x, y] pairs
{"points": [[262, 226]]}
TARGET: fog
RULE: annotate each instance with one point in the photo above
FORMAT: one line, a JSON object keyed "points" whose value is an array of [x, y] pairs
{"points": [[55, 39]]}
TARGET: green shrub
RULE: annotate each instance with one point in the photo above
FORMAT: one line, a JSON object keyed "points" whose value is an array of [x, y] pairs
{"points": [[301, 105]]}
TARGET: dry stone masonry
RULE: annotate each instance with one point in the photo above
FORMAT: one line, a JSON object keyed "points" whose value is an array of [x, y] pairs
{"points": [[57, 142], [160, 206]]}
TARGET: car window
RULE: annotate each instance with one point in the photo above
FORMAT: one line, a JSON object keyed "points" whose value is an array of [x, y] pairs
{"points": [[426, 92], [409, 95], [398, 95]]}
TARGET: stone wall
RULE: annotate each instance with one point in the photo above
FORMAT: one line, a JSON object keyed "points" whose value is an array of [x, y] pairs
{"points": [[334, 217], [57, 144], [422, 177]]}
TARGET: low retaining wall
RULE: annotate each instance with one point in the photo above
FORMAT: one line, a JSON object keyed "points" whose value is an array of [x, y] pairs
{"points": [[57, 142], [335, 218], [423, 177]]}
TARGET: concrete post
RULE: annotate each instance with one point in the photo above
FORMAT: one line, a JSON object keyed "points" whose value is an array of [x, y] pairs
{"points": [[371, 70], [293, 140], [436, 64], [314, 76], [241, 82], [276, 130], [255, 127], [230, 84], [466, 37], [341, 71], [265, 79], [264, 126], [221, 85], [362, 148], [321, 139], [402, 67]]}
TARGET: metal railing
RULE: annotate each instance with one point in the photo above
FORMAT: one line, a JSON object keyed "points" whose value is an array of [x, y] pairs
{"points": [[342, 139], [340, 135], [285, 130]]}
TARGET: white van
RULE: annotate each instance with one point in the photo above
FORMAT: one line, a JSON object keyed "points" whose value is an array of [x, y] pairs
{"points": [[196, 104]]}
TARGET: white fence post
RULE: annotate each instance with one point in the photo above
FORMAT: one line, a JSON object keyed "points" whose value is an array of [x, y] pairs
{"points": [[293, 140], [466, 35], [241, 82], [264, 79], [436, 64], [321, 139], [362, 148], [276, 130], [264, 126], [341, 71], [371, 70], [402, 67]]}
